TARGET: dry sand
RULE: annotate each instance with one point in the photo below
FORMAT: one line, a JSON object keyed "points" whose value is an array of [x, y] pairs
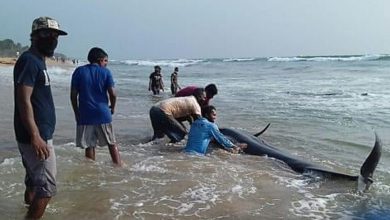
{"points": [[10, 61]]}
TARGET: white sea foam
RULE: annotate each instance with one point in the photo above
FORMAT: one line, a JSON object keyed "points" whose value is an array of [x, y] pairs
{"points": [[202, 194], [238, 190], [9, 161], [148, 166], [238, 59], [315, 207], [171, 63], [184, 207], [327, 58]]}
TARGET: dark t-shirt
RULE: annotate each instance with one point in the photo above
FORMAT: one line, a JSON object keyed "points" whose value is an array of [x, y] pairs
{"points": [[30, 70]]}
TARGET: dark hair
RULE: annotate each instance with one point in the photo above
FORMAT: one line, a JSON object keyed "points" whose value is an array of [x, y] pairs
{"points": [[211, 90], [198, 93], [177, 68], [157, 67], [206, 110], [95, 54]]}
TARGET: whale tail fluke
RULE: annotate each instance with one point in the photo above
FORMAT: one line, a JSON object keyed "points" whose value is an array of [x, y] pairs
{"points": [[369, 165]]}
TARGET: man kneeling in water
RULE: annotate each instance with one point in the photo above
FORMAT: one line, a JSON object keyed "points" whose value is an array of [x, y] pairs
{"points": [[204, 129]]}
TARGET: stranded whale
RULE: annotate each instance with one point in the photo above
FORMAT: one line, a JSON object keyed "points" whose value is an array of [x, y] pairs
{"points": [[257, 146]]}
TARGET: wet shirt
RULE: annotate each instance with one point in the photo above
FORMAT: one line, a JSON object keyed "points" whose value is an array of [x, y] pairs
{"points": [[200, 135], [92, 83], [30, 70], [180, 106]]}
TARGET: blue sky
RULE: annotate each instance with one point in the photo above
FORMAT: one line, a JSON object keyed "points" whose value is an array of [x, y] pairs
{"points": [[160, 29]]}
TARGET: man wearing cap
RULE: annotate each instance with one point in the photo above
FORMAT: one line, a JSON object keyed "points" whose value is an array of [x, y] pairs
{"points": [[34, 116]]}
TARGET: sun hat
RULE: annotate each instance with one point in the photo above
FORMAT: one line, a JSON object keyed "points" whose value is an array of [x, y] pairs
{"points": [[46, 23]]}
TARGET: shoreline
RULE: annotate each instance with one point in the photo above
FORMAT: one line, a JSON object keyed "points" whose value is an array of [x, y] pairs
{"points": [[10, 61]]}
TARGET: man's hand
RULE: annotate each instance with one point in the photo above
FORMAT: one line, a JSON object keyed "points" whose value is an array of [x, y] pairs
{"points": [[242, 145], [238, 148], [40, 147], [112, 109]]}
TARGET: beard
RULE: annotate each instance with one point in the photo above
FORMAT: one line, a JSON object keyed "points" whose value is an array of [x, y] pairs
{"points": [[46, 46]]}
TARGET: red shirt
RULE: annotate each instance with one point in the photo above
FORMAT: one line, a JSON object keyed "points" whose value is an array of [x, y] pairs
{"points": [[186, 91], [189, 90]]}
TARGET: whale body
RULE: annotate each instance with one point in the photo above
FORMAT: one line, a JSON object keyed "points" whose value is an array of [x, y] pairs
{"points": [[257, 146]]}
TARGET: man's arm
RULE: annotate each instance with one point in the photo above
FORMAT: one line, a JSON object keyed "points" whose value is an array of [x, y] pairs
{"points": [[162, 83], [73, 98], [112, 96], [226, 143], [23, 97]]}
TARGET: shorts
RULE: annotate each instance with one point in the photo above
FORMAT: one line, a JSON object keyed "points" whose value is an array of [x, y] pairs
{"points": [[40, 174], [94, 135]]}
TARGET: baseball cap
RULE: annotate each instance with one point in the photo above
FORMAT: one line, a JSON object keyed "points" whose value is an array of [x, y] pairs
{"points": [[46, 23]]}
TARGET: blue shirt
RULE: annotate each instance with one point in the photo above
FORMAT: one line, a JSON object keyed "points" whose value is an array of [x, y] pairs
{"points": [[92, 82], [30, 70], [200, 134]]}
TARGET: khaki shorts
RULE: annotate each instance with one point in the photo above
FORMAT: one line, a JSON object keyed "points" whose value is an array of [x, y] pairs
{"points": [[40, 174], [94, 135]]}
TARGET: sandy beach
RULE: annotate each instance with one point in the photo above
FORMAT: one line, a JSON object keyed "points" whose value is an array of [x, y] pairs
{"points": [[10, 61]]}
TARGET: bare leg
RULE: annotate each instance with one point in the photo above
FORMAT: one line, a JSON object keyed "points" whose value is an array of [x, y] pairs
{"points": [[90, 153], [114, 152], [37, 208], [28, 196]]}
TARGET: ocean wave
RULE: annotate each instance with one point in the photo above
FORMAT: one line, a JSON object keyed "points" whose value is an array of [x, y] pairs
{"points": [[240, 59], [371, 57], [189, 62], [56, 70], [171, 63]]}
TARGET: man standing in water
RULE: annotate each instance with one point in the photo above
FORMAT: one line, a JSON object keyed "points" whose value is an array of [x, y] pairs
{"points": [[91, 88], [34, 116], [156, 81], [174, 82]]}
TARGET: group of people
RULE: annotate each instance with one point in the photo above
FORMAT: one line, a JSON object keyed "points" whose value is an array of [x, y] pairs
{"points": [[156, 83], [93, 100], [190, 104]]}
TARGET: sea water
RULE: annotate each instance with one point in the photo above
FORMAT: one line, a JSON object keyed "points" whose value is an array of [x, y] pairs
{"points": [[322, 109]]}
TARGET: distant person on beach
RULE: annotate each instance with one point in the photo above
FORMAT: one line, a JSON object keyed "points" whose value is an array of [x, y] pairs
{"points": [[174, 81], [34, 116], [204, 129], [211, 91], [166, 115], [92, 89], [156, 81]]}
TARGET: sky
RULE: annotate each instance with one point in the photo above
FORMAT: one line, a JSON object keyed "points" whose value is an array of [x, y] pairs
{"points": [[171, 29]]}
